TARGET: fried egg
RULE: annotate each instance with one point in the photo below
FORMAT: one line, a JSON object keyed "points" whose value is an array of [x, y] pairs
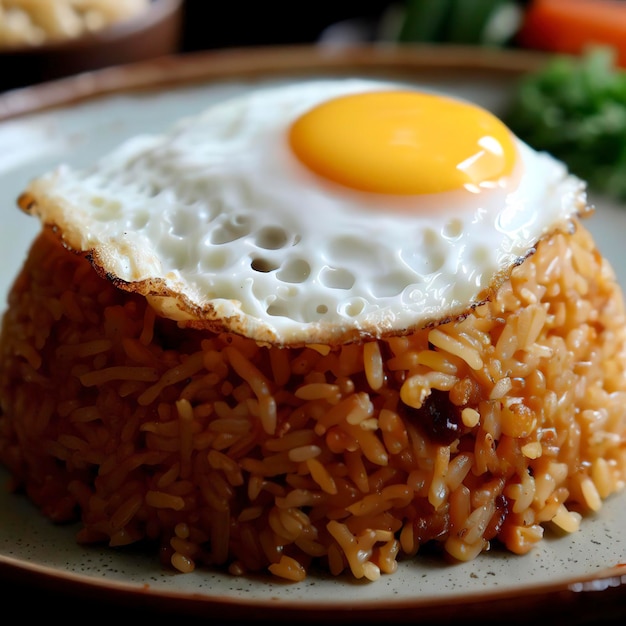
{"points": [[321, 211]]}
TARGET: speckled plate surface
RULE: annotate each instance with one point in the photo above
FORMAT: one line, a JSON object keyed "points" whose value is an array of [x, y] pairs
{"points": [[77, 119]]}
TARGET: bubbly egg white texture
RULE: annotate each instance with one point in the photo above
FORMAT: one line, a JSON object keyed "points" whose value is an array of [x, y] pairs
{"points": [[222, 225]]}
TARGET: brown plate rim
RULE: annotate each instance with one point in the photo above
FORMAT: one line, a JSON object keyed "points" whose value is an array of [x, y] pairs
{"points": [[185, 68]]}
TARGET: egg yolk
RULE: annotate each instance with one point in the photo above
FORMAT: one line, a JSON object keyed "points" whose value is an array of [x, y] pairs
{"points": [[403, 142]]}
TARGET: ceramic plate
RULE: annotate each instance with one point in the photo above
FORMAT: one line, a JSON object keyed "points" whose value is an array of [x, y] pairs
{"points": [[78, 119]]}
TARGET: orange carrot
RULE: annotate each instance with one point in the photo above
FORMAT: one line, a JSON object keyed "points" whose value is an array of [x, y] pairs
{"points": [[569, 26]]}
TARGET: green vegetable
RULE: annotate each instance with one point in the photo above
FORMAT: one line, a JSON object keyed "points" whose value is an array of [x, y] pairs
{"points": [[457, 21], [575, 109], [424, 20], [468, 21]]}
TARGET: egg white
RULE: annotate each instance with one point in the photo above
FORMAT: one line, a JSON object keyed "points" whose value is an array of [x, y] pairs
{"points": [[220, 225]]}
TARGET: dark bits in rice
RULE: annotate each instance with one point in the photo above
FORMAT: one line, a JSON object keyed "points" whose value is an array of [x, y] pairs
{"points": [[233, 455]]}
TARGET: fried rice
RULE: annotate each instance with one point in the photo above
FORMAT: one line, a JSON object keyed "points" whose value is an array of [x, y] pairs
{"points": [[220, 452]]}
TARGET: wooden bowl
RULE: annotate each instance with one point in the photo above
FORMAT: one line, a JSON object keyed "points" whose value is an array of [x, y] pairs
{"points": [[153, 33]]}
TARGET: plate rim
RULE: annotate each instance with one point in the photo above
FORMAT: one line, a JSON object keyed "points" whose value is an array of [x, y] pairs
{"points": [[581, 595], [205, 65]]}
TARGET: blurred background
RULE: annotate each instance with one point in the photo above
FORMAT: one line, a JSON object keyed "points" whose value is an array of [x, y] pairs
{"points": [[551, 25], [272, 23], [44, 39]]}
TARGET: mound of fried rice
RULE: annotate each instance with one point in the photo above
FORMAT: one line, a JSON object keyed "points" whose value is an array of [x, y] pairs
{"points": [[480, 432]]}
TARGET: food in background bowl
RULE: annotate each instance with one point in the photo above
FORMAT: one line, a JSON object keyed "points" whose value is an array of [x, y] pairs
{"points": [[35, 22], [51, 39], [324, 324]]}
